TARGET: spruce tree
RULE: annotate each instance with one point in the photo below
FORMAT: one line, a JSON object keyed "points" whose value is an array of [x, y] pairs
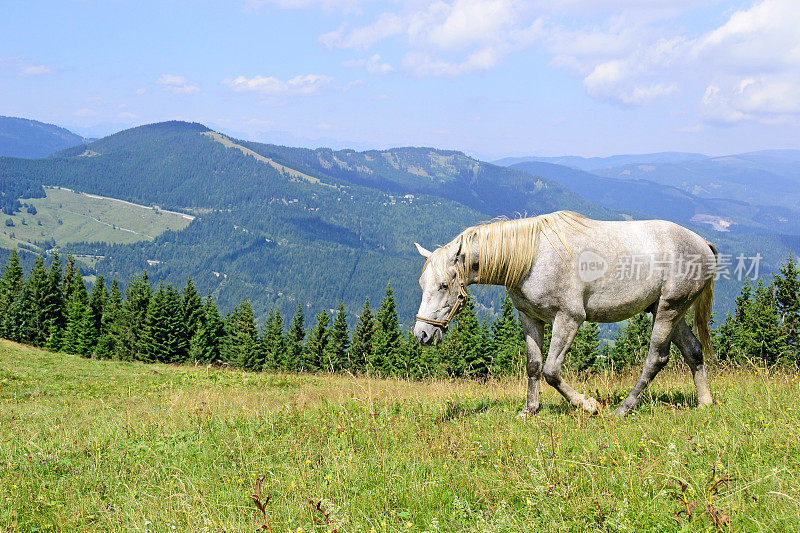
{"points": [[134, 313], [38, 287], [76, 333], [465, 344], [240, 348], [584, 353], [339, 342], [272, 341], [507, 342], [97, 301], [766, 339], [316, 346], [204, 345], [53, 306], [387, 338], [631, 344], [361, 348], [110, 324], [293, 355], [786, 285], [164, 332], [191, 308], [72, 279], [414, 356], [20, 322], [10, 286]]}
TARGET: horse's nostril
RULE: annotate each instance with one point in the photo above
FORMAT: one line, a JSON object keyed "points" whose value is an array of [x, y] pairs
{"points": [[423, 335]]}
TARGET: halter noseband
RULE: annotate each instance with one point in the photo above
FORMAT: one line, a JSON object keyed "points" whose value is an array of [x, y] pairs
{"points": [[462, 295]]}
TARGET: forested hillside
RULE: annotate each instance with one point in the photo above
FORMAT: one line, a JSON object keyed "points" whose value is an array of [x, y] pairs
{"points": [[21, 137], [283, 226]]}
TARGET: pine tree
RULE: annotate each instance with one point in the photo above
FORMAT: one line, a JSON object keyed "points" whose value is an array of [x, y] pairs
{"points": [[317, 345], [361, 348], [339, 342], [507, 342], [584, 353], [632, 343], [293, 360], [191, 307], [241, 339], [272, 342], [387, 337], [204, 345]]}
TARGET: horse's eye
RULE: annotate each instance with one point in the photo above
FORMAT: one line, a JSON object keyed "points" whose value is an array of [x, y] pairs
{"points": [[443, 286]]}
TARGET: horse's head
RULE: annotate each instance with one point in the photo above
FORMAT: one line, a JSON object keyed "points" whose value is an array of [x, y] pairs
{"points": [[442, 292]]}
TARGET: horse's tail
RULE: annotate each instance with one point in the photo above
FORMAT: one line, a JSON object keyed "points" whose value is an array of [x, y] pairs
{"points": [[702, 310]]}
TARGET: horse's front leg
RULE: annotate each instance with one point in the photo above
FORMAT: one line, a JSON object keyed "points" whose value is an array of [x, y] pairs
{"points": [[565, 327], [534, 338]]}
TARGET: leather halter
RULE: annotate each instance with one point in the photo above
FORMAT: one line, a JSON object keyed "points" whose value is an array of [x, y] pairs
{"points": [[462, 295]]}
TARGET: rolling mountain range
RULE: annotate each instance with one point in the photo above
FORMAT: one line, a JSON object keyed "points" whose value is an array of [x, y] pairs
{"points": [[21, 137], [282, 226]]}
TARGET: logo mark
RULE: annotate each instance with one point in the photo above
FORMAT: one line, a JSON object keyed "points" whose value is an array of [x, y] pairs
{"points": [[591, 266]]}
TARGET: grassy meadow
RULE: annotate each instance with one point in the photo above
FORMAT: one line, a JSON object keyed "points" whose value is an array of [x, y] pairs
{"points": [[70, 217], [109, 446]]}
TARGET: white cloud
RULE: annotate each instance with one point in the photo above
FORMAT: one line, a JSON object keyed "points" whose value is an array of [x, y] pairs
{"points": [[24, 67], [448, 38], [176, 84], [35, 70], [747, 69], [387, 25], [373, 64], [340, 5], [306, 84]]}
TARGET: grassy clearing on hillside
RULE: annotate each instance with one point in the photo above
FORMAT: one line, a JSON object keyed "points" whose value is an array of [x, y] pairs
{"points": [[70, 217], [110, 446]]}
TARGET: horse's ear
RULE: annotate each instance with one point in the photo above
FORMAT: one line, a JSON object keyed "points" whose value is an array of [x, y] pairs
{"points": [[422, 251]]}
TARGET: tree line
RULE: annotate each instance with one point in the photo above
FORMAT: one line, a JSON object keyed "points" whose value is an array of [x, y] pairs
{"points": [[52, 308]]}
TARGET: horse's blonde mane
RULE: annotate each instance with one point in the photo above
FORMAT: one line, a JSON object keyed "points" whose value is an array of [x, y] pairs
{"points": [[506, 248]]}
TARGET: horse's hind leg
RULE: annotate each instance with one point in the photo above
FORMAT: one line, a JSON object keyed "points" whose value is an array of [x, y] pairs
{"points": [[564, 329], [664, 322], [692, 352]]}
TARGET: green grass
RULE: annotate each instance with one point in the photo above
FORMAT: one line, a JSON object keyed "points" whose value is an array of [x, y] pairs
{"points": [[110, 446], [70, 217]]}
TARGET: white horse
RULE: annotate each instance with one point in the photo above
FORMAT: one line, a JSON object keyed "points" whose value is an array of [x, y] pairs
{"points": [[592, 270]]}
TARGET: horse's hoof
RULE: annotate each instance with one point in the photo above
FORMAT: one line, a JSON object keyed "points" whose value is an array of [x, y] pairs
{"points": [[620, 412], [526, 413], [592, 406]]}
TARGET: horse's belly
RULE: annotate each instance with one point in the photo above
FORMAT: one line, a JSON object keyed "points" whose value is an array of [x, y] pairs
{"points": [[618, 301]]}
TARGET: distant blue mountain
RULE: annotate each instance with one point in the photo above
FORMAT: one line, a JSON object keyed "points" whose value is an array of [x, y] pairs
{"points": [[594, 163], [21, 137], [668, 201]]}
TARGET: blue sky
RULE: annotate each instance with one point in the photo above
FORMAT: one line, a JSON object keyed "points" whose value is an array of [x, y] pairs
{"points": [[490, 77]]}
